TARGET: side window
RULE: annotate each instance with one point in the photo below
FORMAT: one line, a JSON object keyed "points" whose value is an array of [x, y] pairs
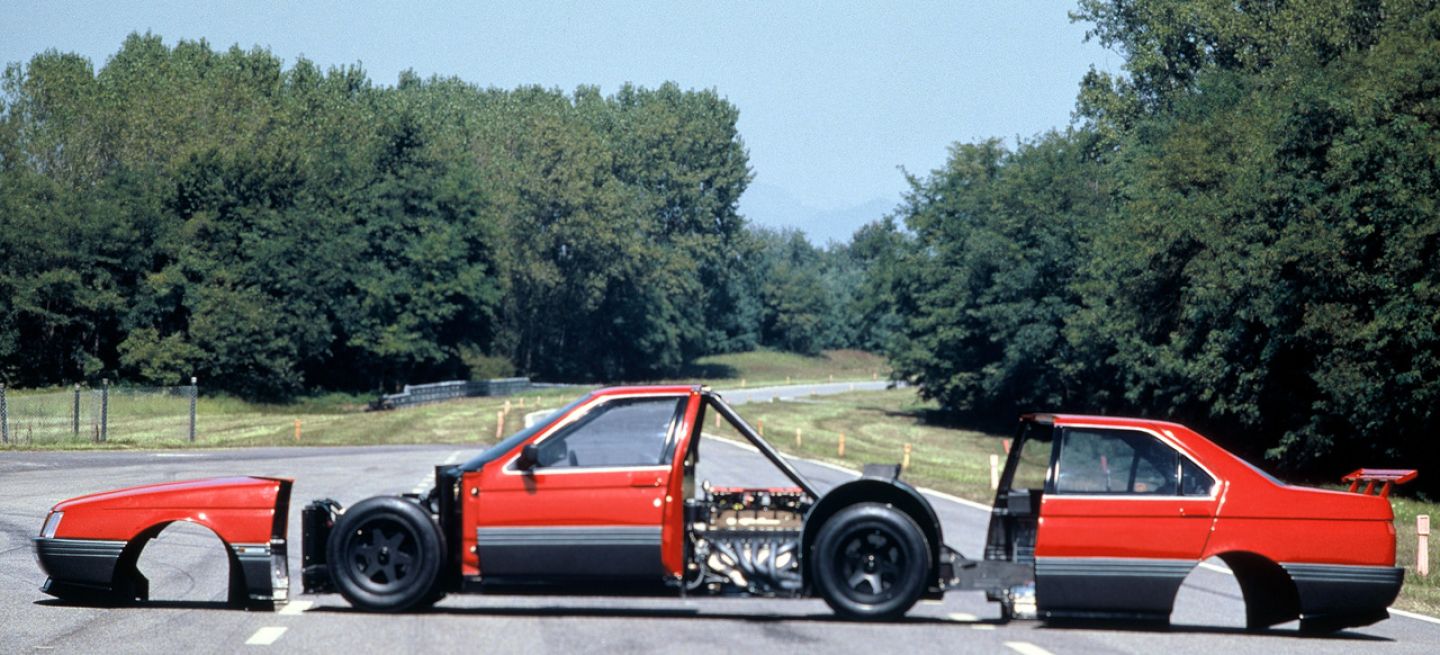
{"points": [[1116, 462], [625, 432], [1032, 463], [1193, 480]]}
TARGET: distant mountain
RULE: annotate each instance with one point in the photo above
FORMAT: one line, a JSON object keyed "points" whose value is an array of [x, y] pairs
{"points": [[773, 206]]}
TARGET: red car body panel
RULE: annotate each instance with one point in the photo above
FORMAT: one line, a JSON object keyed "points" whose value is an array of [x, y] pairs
{"points": [[93, 550], [501, 497], [1326, 557], [1248, 513], [237, 509]]}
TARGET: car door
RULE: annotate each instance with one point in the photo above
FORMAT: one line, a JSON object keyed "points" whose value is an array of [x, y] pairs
{"points": [[1124, 520], [592, 506]]}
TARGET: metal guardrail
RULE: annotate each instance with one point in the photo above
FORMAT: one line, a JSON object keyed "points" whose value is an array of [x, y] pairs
{"points": [[422, 394]]}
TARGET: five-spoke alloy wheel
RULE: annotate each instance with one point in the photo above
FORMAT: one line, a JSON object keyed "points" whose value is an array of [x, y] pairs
{"points": [[870, 561], [385, 554]]}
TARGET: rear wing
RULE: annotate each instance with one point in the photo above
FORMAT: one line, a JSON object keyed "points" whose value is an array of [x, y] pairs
{"points": [[1371, 476]]}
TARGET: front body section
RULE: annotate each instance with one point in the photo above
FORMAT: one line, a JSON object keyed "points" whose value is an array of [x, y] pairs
{"points": [[1115, 513], [603, 492], [89, 545], [597, 505]]}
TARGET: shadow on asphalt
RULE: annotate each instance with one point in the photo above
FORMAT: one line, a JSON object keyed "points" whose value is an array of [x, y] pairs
{"points": [[652, 613], [1160, 628], [149, 604]]}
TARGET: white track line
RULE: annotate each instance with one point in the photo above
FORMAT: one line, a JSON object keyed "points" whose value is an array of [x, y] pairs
{"points": [[1026, 648], [266, 635], [1413, 615], [956, 499], [296, 607]]}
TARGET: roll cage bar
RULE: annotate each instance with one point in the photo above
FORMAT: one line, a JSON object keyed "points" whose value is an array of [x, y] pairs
{"points": [[714, 400]]}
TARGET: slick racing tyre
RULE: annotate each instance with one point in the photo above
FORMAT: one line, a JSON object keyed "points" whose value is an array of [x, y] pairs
{"points": [[385, 555], [870, 562]]}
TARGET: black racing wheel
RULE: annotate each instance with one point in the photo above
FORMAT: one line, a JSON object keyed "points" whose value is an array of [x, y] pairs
{"points": [[870, 562], [385, 555]]}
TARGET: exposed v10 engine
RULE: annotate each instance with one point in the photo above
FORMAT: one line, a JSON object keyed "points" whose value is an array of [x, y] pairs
{"points": [[746, 540]]}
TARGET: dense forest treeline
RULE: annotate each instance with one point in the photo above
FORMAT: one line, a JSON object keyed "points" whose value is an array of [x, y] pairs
{"points": [[1241, 232], [185, 211]]}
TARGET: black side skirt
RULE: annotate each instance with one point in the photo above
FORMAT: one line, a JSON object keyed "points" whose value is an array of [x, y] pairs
{"points": [[609, 552]]}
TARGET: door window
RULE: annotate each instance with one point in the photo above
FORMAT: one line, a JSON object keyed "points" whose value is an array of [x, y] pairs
{"points": [[1193, 480], [624, 432], [1117, 462]]}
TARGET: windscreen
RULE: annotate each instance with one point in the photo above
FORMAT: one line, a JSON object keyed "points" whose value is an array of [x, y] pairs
{"points": [[509, 443]]}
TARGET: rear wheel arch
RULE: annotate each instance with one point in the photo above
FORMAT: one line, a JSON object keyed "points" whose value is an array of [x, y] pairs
{"points": [[1271, 596], [897, 494]]}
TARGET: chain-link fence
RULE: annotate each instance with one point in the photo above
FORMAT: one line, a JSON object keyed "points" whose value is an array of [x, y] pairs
{"points": [[132, 415]]}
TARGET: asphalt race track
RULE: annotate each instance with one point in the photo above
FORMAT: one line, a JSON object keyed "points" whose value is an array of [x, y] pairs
{"points": [[187, 570]]}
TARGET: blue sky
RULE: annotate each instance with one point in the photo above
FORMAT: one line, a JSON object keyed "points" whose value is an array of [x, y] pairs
{"points": [[834, 97]]}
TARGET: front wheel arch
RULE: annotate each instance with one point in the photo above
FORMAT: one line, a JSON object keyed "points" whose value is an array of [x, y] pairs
{"points": [[895, 493], [870, 562]]}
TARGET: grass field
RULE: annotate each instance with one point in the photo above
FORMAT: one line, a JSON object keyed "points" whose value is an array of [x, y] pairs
{"points": [[773, 367], [150, 418]]}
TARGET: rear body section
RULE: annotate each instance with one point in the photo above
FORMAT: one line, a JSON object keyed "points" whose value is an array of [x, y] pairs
{"points": [[1115, 513]]}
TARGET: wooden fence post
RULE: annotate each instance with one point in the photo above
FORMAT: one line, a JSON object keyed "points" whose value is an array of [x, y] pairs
{"points": [[905, 461], [994, 471], [841, 448], [75, 413], [194, 392], [798, 440], [297, 429], [105, 409], [1422, 553], [499, 424]]}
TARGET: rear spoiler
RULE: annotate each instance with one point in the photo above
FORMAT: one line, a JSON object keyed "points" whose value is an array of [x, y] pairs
{"points": [[1371, 476]]}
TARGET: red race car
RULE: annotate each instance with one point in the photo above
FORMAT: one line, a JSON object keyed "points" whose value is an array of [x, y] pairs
{"points": [[1096, 517]]}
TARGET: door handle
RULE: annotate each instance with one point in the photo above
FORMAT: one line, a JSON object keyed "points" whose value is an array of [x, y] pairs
{"points": [[645, 481]]}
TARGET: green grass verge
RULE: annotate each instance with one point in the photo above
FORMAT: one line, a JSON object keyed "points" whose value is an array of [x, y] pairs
{"points": [[149, 422], [766, 367], [144, 418], [877, 425]]}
